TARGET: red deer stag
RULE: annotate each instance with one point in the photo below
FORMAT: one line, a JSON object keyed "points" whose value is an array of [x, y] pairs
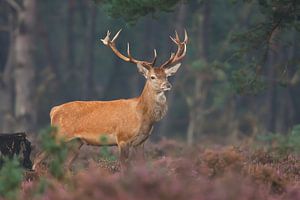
{"points": [[125, 122]]}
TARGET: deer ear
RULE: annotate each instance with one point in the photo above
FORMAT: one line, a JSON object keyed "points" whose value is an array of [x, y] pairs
{"points": [[142, 70], [172, 70]]}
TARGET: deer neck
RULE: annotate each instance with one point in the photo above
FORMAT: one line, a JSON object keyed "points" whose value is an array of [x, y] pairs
{"points": [[152, 104]]}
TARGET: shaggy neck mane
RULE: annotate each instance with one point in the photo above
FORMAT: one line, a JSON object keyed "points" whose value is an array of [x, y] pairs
{"points": [[152, 104]]}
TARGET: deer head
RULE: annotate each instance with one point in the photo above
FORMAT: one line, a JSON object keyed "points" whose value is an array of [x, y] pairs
{"points": [[157, 76]]}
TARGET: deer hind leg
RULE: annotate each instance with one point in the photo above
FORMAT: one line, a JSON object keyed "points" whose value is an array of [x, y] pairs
{"points": [[74, 147], [39, 159], [124, 154]]}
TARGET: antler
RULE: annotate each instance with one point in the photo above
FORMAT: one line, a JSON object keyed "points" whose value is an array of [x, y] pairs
{"points": [[181, 50], [111, 43]]}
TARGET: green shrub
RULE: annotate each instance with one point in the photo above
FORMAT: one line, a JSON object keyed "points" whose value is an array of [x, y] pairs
{"points": [[57, 152], [105, 154], [11, 176], [284, 143]]}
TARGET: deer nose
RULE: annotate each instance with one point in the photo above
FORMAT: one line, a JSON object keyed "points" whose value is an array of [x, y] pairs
{"points": [[166, 86]]}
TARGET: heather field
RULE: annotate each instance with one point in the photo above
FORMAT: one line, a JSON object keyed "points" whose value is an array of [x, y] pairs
{"points": [[171, 171], [210, 87]]}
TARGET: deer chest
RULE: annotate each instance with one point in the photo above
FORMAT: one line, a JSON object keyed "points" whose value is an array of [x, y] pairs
{"points": [[141, 137], [160, 107]]}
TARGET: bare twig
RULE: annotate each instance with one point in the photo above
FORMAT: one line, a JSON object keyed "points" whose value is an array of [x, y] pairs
{"points": [[270, 37]]}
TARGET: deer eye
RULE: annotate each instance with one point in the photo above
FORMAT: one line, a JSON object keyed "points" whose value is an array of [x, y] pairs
{"points": [[153, 77]]}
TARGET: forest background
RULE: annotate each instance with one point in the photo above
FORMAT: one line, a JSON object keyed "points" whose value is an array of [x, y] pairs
{"points": [[241, 75]]}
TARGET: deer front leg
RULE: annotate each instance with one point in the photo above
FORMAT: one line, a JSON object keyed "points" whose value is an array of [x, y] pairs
{"points": [[74, 148], [138, 153], [124, 155]]}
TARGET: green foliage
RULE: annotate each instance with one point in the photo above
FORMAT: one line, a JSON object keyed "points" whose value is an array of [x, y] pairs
{"points": [[275, 14], [132, 10], [234, 32], [284, 143], [57, 151], [11, 176], [199, 65], [245, 81], [42, 186], [268, 26], [294, 139], [104, 150]]}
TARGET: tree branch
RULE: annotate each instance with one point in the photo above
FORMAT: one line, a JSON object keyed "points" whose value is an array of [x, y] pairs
{"points": [[14, 5]]}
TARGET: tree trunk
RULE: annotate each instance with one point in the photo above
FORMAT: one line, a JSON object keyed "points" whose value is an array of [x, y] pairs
{"points": [[88, 84], [52, 63], [192, 103], [285, 107], [272, 90], [6, 86], [196, 109], [191, 128], [25, 108], [69, 57], [295, 81], [180, 22]]}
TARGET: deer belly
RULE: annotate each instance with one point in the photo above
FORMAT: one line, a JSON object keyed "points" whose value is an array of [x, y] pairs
{"points": [[99, 139]]}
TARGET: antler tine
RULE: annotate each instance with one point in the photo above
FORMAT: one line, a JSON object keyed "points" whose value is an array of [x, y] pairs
{"points": [[111, 43], [106, 39], [155, 57], [185, 37], [172, 56], [128, 50], [116, 36], [181, 49], [183, 53], [175, 57], [180, 53], [176, 36], [174, 40], [177, 42]]}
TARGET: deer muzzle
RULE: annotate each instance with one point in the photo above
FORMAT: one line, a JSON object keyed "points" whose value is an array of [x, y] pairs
{"points": [[166, 86]]}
